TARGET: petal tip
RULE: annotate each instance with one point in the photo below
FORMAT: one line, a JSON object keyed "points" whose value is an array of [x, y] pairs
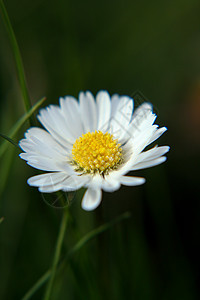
{"points": [[91, 199]]}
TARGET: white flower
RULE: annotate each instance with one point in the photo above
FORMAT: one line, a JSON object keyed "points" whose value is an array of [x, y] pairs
{"points": [[92, 144]]}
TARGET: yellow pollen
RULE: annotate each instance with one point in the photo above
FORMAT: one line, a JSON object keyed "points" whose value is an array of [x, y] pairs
{"points": [[96, 152]]}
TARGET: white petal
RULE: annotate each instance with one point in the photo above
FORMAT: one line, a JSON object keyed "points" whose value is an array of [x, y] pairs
{"points": [[110, 184], [103, 110], [41, 135], [88, 111], [25, 145], [29, 156], [42, 151], [74, 183], [114, 104], [124, 110], [42, 163], [47, 120], [140, 140], [71, 112], [148, 163], [50, 188], [66, 167], [47, 179], [95, 181], [157, 134], [91, 199], [143, 118], [132, 181], [144, 111], [39, 141], [60, 122], [133, 150], [152, 153], [122, 117], [71, 183]]}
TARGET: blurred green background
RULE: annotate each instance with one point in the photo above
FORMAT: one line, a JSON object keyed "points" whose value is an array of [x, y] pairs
{"points": [[145, 48]]}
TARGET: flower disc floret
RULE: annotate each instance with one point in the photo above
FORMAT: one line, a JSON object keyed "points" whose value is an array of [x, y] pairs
{"points": [[96, 152]]}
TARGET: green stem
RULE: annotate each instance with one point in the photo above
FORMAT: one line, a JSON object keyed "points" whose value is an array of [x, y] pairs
{"points": [[7, 138], [89, 236], [97, 231], [14, 130], [56, 255], [17, 56], [37, 285]]}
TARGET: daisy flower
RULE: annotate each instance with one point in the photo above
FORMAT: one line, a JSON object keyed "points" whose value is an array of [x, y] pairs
{"points": [[92, 144]]}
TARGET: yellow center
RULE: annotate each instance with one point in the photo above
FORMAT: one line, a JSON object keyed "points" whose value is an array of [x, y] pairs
{"points": [[96, 152]]}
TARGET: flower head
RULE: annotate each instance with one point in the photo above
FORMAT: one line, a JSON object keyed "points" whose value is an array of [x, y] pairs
{"points": [[92, 144]]}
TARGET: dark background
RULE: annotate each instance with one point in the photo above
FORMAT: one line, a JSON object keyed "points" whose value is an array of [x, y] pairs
{"points": [[146, 49]]}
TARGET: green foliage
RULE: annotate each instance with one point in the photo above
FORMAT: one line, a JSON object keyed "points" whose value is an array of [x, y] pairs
{"points": [[18, 126], [121, 46]]}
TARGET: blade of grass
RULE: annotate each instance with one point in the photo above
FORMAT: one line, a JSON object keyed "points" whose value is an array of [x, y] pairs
{"points": [[17, 56], [84, 240], [9, 140], [97, 231], [56, 258], [6, 165], [19, 124]]}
